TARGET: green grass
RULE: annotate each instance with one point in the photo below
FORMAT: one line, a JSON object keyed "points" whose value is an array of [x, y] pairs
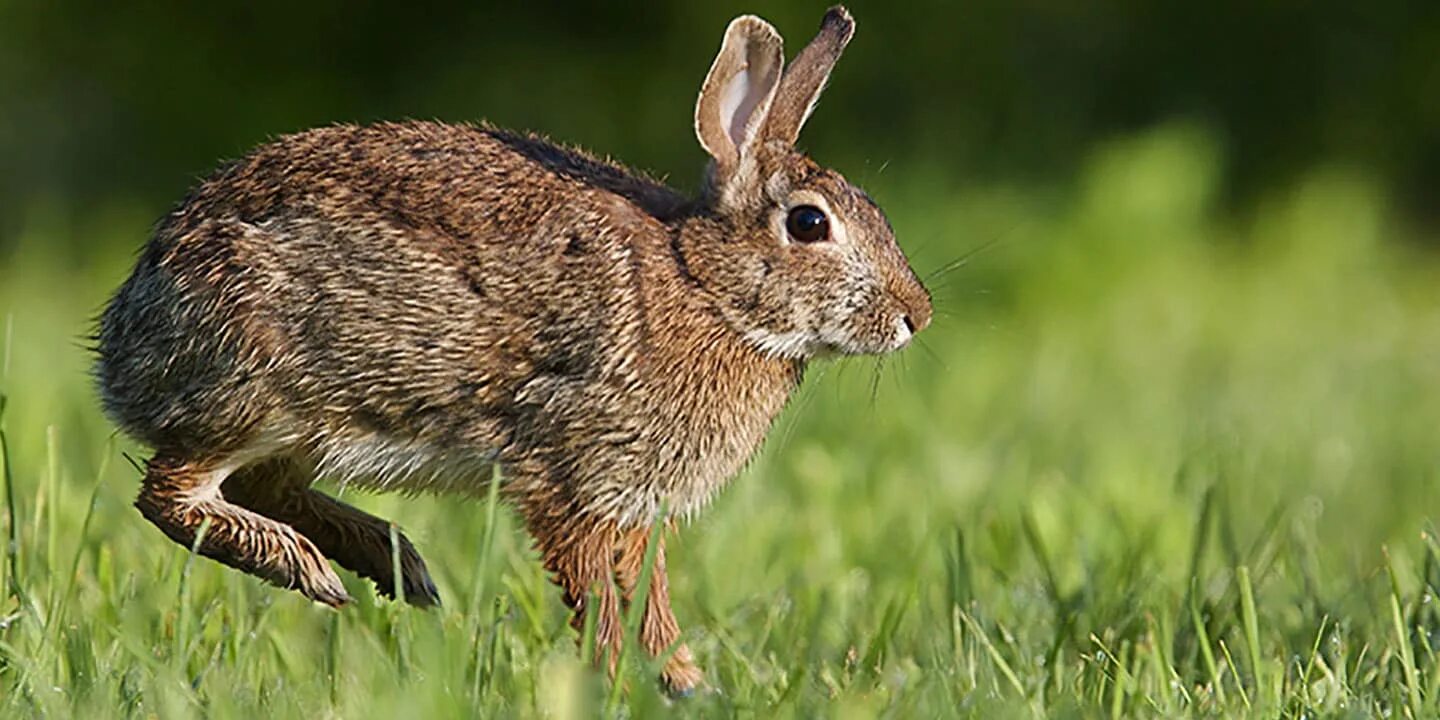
{"points": [[1149, 461]]}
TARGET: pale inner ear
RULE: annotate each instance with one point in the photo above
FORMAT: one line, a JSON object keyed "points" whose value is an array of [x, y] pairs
{"points": [[747, 95], [737, 107]]}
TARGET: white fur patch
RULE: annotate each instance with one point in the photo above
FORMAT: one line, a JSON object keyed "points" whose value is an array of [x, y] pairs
{"points": [[902, 334], [271, 441], [793, 344], [384, 463]]}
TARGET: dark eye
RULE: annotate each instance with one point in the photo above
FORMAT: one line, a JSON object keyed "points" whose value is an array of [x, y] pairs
{"points": [[807, 224]]}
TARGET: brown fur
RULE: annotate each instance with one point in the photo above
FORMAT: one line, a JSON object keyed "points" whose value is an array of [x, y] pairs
{"points": [[402, 306]]}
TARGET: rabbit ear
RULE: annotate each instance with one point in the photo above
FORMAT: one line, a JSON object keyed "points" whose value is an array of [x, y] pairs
{"points": [[805, 78], [738, 91]]}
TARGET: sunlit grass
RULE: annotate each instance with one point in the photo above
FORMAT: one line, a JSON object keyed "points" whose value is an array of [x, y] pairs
{"points": [[1150, 462]]}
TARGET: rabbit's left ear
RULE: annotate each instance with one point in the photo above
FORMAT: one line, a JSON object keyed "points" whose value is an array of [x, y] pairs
{"points": [[805, 78], [738, 92]]}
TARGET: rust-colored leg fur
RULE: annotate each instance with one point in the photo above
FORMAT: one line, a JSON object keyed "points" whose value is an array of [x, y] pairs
{"points": [[585, 556], [280, 489], [580, 557], [659, 631], [178, 496]]}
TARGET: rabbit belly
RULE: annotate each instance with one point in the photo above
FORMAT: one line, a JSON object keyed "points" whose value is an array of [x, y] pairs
{"points": [[378, 462]]}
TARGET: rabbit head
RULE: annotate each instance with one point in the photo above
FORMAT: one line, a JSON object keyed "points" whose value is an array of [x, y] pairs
{"points": [[802, 262]]}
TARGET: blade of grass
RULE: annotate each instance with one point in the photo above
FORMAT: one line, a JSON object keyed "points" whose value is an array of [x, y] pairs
{"points": [[588, 627], [1159, 664], [1202, 637], [1239, 682], [1123, 681], [1203, 528], [994, 653], [957, 568], [636, 610], [874, 656], [332, 658], [482, 572], [397, 576], [12, 515], [62, 601], [1314, 655], [487, 542], [52, 483], [182, 623], [1402, 639], [1250, 622], [399, 619]]}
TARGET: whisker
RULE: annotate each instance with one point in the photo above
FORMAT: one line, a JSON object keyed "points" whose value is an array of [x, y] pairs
{"points": [[925, 347], [875, 381], [964, 259], [897, 378], [945, 282], [807, 397]]}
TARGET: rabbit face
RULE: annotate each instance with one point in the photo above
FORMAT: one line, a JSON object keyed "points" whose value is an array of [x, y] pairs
{"points": [[820, 271], [803, 263]]}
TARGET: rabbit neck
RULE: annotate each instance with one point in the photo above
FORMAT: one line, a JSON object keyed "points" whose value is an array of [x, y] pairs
{"points": [[713, 395]]}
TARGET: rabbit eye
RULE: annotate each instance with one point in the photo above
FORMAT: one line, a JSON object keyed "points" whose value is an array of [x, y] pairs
{"points": [[808, 224]]}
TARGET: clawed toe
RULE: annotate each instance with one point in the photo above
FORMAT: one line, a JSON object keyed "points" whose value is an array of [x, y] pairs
{"points": [[415, 579], [682, 681], [420, 591], [329, 593], [311, 574]]}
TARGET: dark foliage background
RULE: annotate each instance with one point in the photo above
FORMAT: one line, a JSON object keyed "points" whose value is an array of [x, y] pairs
{"points": [[109, 103]]}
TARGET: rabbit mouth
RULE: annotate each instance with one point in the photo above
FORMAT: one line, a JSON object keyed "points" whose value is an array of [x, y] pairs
{"points": [[835, 341], [900, 336], [904, 333]]}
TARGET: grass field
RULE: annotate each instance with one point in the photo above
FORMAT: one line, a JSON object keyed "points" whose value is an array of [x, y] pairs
{"points": [[1149, 462]]}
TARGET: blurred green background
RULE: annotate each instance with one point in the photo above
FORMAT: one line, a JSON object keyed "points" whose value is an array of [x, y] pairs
{"points": [[125, 104], [1168, 449]]}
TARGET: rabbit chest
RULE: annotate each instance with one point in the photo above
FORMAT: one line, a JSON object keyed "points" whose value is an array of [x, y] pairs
{"points": [[674, 406]]}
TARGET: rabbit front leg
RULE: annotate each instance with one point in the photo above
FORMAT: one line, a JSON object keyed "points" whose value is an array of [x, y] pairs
{"points": [[579, 553], [659, 631]]}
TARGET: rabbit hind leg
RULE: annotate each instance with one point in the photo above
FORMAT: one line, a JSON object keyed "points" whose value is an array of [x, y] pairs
{"points": [[182, 496], [360, 542]]}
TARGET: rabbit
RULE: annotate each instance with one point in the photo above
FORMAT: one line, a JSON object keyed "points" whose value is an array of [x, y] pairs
{"points": [[410, 306]]}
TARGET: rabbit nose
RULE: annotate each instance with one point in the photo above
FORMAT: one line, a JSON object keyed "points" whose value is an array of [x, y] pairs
{"points": [[918, 313]]}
